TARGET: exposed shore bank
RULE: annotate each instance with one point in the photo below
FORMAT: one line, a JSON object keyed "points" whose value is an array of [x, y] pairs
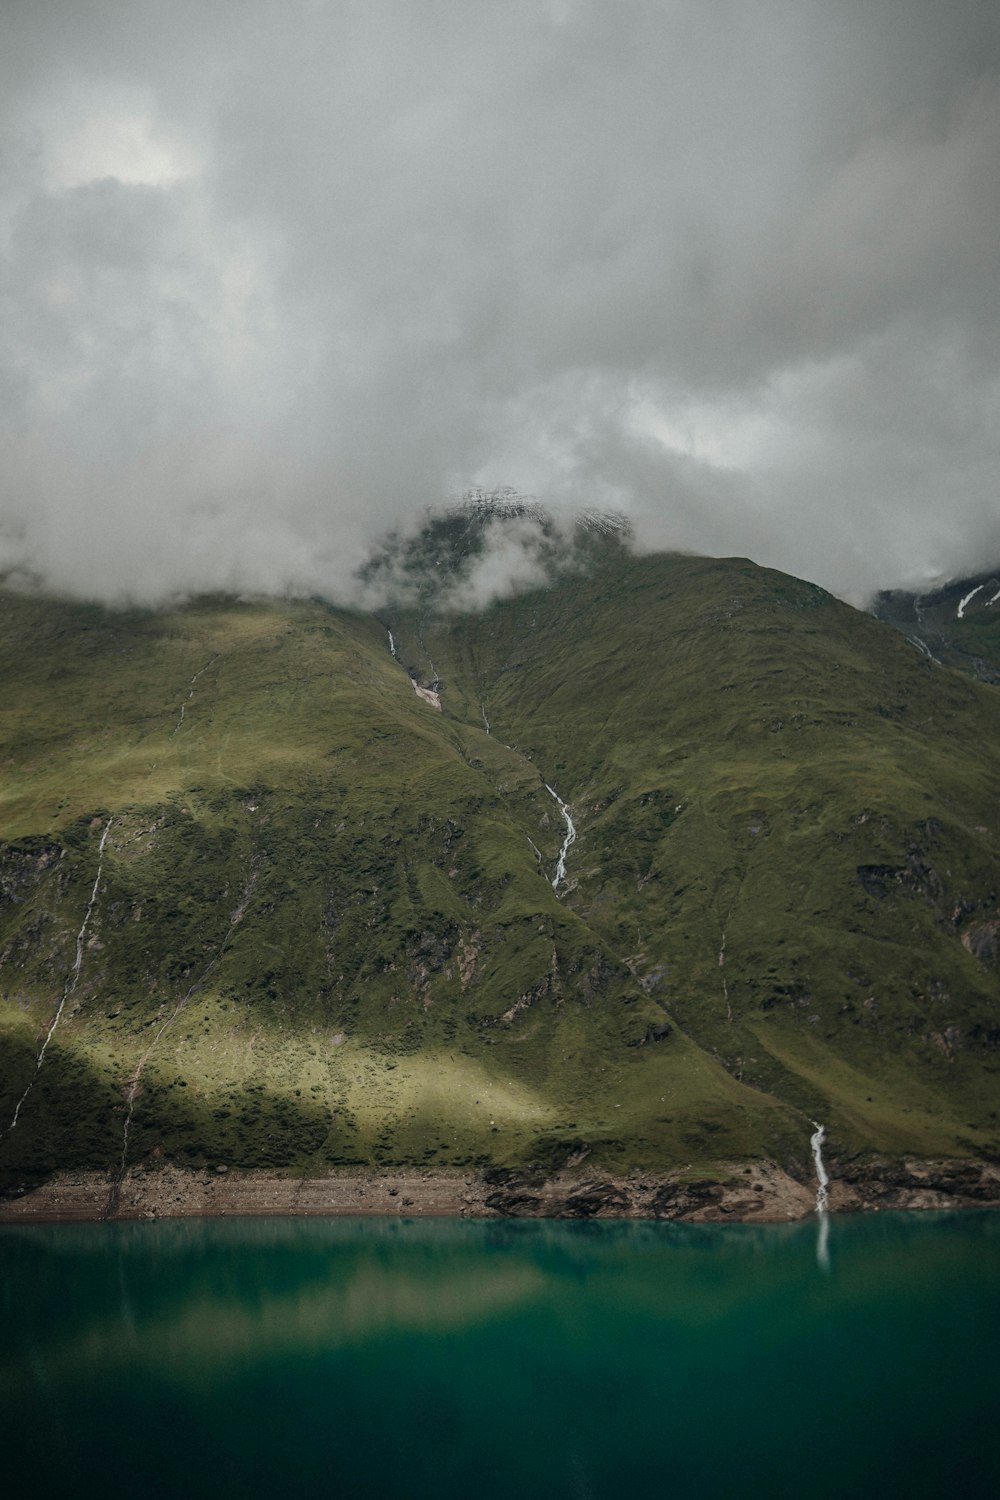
{"points": [[760, 1192]]}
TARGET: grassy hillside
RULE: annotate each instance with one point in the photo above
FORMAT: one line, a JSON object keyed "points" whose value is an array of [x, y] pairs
{"points": [[322, 929]]}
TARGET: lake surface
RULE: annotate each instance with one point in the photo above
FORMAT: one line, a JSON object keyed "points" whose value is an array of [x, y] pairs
{"points": [[370, 1357]]}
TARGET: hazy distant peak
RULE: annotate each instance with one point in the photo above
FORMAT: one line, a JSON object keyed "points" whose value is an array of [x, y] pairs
{"points": [[503, 504], [507, 504], [488, 545]]}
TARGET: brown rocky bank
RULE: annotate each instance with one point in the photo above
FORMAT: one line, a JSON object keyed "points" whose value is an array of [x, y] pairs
{"points": [[761, 1193]]}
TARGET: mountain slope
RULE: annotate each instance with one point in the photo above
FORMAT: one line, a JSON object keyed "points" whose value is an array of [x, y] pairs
{"points": [[956, 626], [765, 774], [325, 932]]}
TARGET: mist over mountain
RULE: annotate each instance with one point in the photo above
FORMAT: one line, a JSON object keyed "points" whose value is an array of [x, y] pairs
{"points": [[278, 277]]}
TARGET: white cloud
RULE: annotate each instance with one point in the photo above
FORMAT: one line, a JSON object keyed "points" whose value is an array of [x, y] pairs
{"points": [[278, 276], [93, 137]]}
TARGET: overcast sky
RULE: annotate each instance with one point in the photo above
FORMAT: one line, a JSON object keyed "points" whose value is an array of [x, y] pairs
{"points": [[275, 275]]}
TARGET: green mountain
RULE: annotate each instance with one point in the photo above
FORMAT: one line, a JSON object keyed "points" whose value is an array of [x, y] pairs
{"points": [[266, 904]]}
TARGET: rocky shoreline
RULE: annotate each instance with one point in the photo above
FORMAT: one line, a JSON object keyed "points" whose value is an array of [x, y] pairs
{"points": [[761, 1192]]}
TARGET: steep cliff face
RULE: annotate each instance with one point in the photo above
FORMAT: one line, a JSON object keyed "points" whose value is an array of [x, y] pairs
{"points": [[287, 912]]}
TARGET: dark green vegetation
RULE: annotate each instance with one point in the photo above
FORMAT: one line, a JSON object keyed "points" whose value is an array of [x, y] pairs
{"points": [[325, 933]]}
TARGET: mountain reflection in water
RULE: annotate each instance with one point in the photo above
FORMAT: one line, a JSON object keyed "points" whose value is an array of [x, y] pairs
{"points": [[379, 1357]]}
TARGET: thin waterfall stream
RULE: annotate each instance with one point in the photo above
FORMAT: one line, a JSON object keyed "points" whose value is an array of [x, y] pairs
{"points": [[823, 1181], [822, 1198], [560, 874], [72, 979]]}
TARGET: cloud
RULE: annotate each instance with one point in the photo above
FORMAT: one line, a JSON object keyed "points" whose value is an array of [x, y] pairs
{"points": [[278, 276]]}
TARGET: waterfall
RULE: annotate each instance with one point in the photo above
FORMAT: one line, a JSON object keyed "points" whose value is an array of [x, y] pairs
{"points": [[191, 687], [822, 1198], [570, 836], [74, 975], [816, 1142]]}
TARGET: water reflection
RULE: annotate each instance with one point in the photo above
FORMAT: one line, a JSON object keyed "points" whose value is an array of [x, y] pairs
{"points": [[197, 1298], [433, 1357], [823, 1241], [205, 1313]]}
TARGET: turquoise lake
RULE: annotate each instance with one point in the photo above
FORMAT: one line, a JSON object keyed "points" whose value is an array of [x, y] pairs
{"points": [[373, 1357]]}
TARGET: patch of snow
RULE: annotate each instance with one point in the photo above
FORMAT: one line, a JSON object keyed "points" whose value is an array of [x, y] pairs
{"points": [[968, 599]]}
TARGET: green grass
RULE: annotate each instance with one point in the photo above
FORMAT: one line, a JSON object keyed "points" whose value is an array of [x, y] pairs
{"points": [[331, 894]]}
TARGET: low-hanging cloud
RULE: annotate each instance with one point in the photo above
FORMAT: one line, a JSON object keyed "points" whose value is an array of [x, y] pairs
{"points": [[277, 276]]}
